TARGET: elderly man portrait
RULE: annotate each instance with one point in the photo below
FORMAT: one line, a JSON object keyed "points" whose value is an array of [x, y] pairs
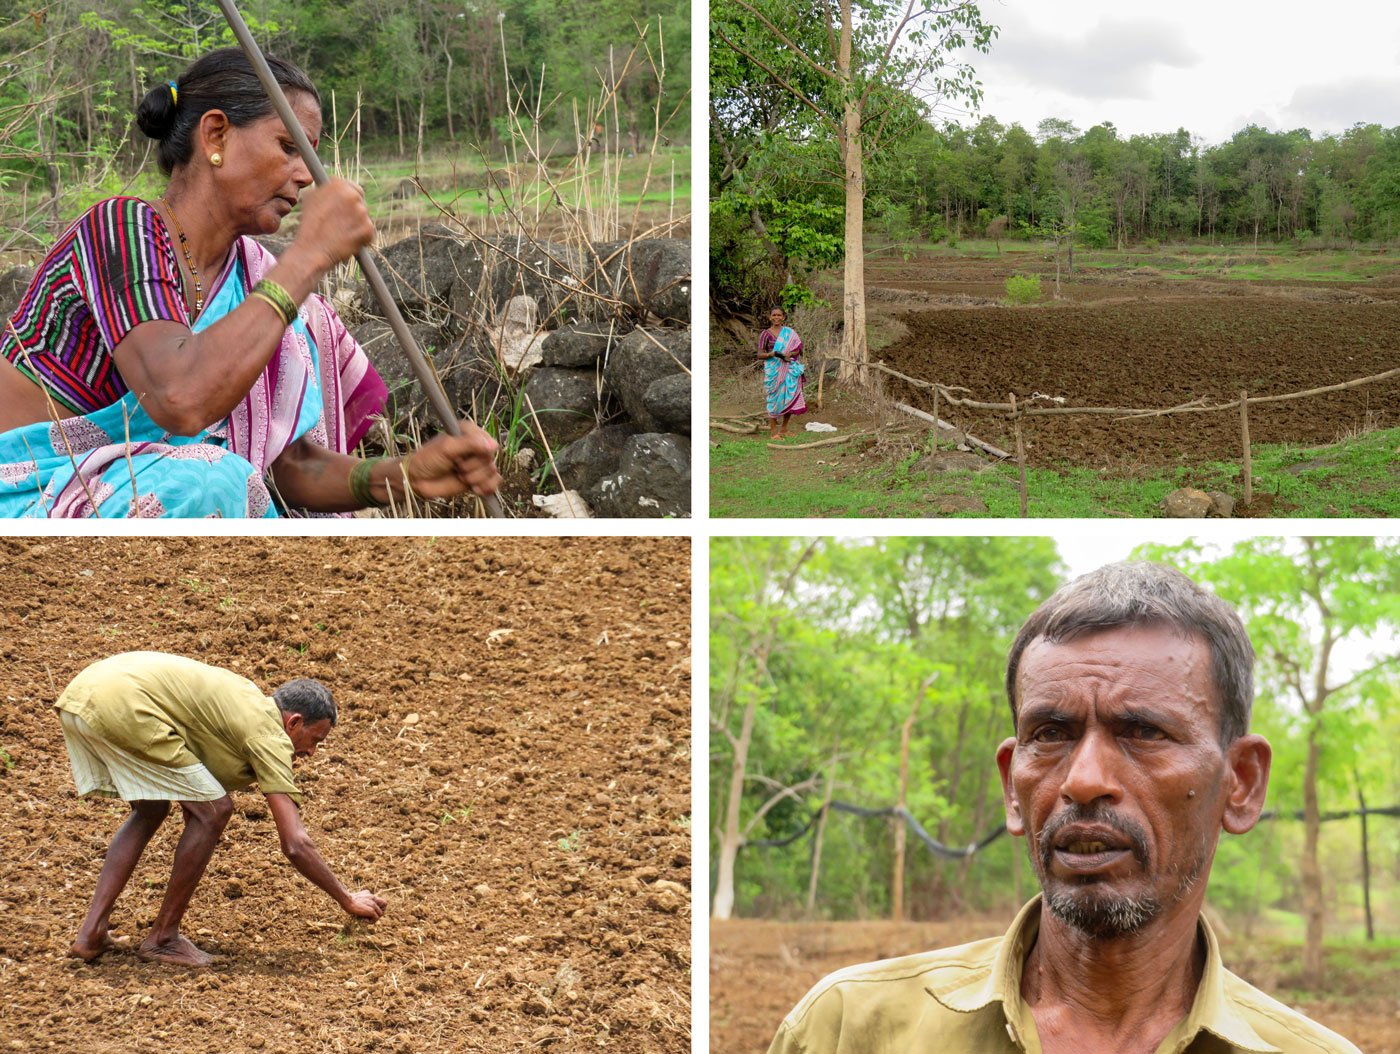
{"points": [[1130, 690], [153, 729]]}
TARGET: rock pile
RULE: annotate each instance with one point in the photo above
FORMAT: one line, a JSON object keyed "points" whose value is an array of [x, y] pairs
{"points": [[597, 342]]}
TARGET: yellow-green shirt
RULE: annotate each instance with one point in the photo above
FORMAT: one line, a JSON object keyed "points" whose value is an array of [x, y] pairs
{"points": [[967, 1000], [177, 712]]}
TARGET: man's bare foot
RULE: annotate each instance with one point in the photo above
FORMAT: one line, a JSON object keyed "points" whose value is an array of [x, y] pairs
{"points": [[89, 947], [178, 951]]}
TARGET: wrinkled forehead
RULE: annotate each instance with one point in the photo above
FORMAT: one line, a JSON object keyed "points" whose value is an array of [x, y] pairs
{"points": [[1122, 663]]}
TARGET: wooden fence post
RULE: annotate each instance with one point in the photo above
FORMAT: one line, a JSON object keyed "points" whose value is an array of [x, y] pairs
{"points": [[935, 418], [1244, 442], [1020, 453]]}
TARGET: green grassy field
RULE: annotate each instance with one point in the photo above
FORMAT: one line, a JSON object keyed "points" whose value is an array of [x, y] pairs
{"points": [[1358, 478], [653, 189], [1243, 262]]}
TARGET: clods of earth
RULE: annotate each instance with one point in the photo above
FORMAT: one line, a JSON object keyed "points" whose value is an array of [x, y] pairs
{"points": [[511, 770]]}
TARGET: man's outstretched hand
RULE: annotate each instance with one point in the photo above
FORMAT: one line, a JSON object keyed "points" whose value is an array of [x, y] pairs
{"points": [[365, 905]]}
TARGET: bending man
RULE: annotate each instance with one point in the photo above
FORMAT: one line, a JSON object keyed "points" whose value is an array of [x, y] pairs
{"points": [[151, 729]]}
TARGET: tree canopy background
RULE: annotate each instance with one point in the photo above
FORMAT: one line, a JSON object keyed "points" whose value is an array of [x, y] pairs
{"points": [[72, 73]]}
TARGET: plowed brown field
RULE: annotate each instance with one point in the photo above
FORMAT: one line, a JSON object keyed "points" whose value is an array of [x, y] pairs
{"points": [[1145, 342], [511, 770]]}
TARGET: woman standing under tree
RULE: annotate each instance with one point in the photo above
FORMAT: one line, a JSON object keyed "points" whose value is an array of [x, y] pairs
{"points": [[780, 348]]}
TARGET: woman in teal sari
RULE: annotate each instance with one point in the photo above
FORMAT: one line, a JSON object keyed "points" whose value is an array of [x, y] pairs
{"points": [[780, 348], [162, 363]]}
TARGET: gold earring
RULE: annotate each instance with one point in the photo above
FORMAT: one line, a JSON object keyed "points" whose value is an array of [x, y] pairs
{"points": [[217, 160]]}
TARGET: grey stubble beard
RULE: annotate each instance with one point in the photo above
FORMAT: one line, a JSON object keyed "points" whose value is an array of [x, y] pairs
{"points": [[1099, 912]]}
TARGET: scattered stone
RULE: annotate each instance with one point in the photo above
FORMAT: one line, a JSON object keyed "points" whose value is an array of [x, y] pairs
{"points": [[668, 402], [583, 463], [1186, 503], [651, 276], [566, 403], [576, 347], [642, 358], [566, 505], [233, 889], [1222, 506], [517, 337], [423, 270], [653, 479]]}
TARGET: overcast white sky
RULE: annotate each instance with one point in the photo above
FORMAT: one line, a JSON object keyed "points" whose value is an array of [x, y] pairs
{"points": [[1210, 66]]}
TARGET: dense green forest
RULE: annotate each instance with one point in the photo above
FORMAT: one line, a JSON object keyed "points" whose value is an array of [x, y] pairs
{"points": [[830, 656], [783, 182], [1120, 190], [423, 73]]}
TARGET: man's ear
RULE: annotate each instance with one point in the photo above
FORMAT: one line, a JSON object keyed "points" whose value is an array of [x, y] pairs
{"points": [[1006, 754], [291, 721], [1249, 759]]}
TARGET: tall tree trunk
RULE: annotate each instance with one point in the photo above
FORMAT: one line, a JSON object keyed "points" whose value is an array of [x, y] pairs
{"points": [[731, 836], [853, 340], [901, 830], [1311, 872], [447, 92], [1365, 863]]}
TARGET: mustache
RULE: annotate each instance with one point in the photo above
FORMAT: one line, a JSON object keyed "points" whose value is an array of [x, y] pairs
{"points": [[1097, 814]]}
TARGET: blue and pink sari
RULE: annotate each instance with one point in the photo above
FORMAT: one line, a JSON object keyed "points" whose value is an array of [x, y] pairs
{"points": [[782, 379], [117, 462]]}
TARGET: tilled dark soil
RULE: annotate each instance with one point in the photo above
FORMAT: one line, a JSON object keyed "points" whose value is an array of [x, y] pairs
{"points": [[511, 770], [1157, 353]]}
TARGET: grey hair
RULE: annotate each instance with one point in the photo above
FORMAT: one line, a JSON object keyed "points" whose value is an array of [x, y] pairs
{"points": [[1139, 593], [307, 697]]}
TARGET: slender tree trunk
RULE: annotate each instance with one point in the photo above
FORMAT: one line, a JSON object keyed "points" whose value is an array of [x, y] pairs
{"points": [[731, 836], [447, 92], [1365, 863], [901, 830], [1311, 872], [820, 837], [853, 340]]}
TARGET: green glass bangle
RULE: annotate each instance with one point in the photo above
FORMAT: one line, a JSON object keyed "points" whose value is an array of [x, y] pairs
{"points": [[279, 298], [259, 295], [361, 489]]}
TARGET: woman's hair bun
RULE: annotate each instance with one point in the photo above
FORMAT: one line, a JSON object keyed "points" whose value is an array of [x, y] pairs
{"points": [[156, 114]]}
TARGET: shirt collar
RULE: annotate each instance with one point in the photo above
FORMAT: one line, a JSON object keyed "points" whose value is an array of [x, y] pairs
{"points": [[976, 988]]}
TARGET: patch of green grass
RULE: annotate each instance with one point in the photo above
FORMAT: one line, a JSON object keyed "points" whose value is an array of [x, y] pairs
{"points": [[6, 761], [1356, 478], [456, 816], [570, 842]]}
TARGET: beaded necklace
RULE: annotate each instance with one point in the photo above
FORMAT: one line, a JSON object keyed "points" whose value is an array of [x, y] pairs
{"points": [[189, 260]]}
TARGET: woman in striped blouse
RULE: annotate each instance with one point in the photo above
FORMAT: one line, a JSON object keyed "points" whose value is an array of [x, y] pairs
{"points": [[163, 363]]}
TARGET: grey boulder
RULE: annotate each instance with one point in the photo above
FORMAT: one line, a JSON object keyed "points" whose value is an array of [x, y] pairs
{"points": [[652, 480]]}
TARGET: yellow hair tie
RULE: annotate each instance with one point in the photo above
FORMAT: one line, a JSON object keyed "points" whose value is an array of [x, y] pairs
{"points": [[174, 93]]}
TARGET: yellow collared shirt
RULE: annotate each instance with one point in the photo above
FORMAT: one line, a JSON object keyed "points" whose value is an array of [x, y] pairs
{"points": [[967, 1000], [175, 712]]}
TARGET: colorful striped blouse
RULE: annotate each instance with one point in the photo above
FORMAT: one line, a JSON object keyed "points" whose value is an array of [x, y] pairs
{"points": [[112, 270]]}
